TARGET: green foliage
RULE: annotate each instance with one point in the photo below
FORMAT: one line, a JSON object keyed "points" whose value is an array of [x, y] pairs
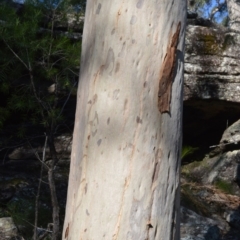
{"points": [[210, 43], [34, 56], [224, 186], [187, 150], [23, 212]]}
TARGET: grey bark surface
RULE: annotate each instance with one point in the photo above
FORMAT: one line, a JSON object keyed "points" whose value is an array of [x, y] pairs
{"points": [[124, 174]]}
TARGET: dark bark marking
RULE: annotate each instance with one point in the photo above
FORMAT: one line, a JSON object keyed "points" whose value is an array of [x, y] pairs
{"points": [[167, 73], [113, 31], [94, 133], [125, 104], [99, 142], [85, 188], [95, 97], [108, 121], [99, 8], [149, 225], [138, 119], [140, 4], [110, 60], [116, 94], [155, 172], [87, 212], [133, 20], [117, 67], [155, 233]]}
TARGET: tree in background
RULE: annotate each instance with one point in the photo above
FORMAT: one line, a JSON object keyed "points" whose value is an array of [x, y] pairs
{"points": [[39, 69], [215, 10], [226, 12], [125, 162]]}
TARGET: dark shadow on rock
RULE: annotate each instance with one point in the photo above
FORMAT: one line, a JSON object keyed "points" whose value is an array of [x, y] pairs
{"points": [[233, 219], [237, 175], [204, 121], [207, 89], [213, 233]]}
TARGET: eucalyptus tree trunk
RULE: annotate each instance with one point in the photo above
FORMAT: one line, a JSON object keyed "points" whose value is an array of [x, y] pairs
{"points": [[124, 175], [234, 14]]}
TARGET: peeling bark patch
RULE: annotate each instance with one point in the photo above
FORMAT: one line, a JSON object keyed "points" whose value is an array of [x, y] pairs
{"points": [[67, 231], [110, 60], [99, 8], [133, 20], [138, 120], [167, 73], [140, 4], [99, 142], [108, 121], [117, 67]]}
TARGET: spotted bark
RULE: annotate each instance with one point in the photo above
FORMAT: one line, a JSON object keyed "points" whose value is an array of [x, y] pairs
{"points": [[124, 176]]}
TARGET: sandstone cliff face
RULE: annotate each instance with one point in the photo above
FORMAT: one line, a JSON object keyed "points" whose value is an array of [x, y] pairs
{"points": [[212, 64], [210, 183], [212, 82]]}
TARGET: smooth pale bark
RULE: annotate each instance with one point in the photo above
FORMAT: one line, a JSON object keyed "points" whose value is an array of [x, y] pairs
{"points": [[234, 14], [124, 175]]}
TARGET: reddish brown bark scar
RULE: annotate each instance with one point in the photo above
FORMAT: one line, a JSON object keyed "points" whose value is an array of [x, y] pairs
{"points": [[167, 73], [67, 231]]}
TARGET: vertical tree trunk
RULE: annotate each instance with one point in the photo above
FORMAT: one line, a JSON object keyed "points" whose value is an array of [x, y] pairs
{"points": [[124, 176], [234, 14]]}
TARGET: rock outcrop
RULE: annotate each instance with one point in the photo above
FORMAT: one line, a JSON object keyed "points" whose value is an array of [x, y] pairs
{"points": [[211, 176], [196, 227], [211, 83], [8, 229], [212, 64]]}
